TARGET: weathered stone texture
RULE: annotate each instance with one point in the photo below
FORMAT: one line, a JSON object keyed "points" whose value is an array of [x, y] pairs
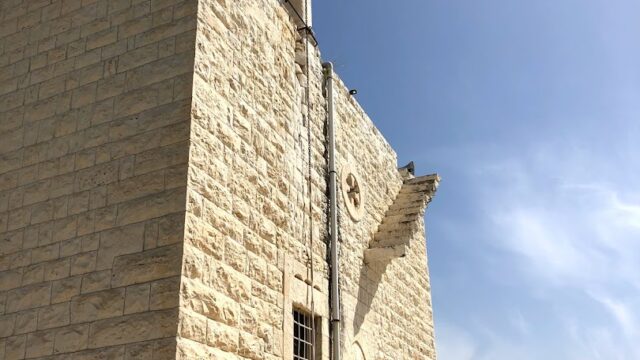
{"points": [[163, 188], [95, 99], [256, 194]]}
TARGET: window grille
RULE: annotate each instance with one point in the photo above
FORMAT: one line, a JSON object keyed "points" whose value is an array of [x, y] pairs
{"points": [[302, 336]]}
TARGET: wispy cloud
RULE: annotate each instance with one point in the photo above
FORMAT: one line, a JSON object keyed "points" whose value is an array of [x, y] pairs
{"points": [[570, 232], [622, 314]]}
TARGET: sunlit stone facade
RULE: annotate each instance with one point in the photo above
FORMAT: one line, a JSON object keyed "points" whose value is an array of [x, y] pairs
{"points": [[163, 189]]}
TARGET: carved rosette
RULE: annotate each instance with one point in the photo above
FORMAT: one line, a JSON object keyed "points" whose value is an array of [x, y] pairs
{"points": [[352, 190]]}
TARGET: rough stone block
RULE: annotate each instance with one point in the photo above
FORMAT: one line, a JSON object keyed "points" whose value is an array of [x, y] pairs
{"points": [[58, 269], [136, 187], [137, 57], [136, 101], [11, 242], [7, 324], [147, 266], [26, 321], [250, 346], [64, 289], [126, 329], [83, 263], [192, 326], [150, 207], [143, 351], [15, 347], [161, 69], [96, 281], [71, 338], [160, 158], [102, 38], [28, 297], [98, 305], [210, 303], [137, 298], [10, 279], [223, 337], [170, 229], [96, 176], [53, 316], [119, 241], [115, 352], [45, 253], [40, 343], [164, 294], [33, 274], [64, 229]]}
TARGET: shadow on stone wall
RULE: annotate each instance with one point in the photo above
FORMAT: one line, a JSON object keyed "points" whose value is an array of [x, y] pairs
{"points": [[368, 283]]}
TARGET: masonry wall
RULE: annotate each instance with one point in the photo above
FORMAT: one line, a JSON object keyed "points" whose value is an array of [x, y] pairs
{"points": [[386, 307], [95, 101], [163, 188], [246, 190], [256, 202]]}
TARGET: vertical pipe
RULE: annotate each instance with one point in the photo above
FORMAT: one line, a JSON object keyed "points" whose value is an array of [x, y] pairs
{"points": [[333, 216]]}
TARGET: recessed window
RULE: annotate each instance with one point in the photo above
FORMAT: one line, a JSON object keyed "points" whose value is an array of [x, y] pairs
{"points": [[303, 336]]}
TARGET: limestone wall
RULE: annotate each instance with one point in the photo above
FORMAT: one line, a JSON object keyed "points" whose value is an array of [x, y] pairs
{"points": [[163, 188], [256, 202], [94, 129], [386, 306]]}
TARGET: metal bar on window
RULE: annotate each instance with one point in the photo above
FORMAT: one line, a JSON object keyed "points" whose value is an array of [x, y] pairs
{"points": [[302, 336]]}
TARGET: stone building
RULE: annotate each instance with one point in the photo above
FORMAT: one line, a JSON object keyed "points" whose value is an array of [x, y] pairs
{"points": [[165, 190]]}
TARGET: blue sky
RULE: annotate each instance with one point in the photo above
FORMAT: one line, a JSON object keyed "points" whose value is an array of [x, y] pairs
{"points": [[530, 112]]}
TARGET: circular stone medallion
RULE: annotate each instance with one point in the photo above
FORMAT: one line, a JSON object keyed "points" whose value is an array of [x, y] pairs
{"points": [[352, 192]]}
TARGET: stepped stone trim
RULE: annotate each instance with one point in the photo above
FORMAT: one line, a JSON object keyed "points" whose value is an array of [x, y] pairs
{"points": [[401, 219]]}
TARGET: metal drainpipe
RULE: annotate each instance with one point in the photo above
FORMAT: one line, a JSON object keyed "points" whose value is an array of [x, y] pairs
{"points": [[333, 216]]}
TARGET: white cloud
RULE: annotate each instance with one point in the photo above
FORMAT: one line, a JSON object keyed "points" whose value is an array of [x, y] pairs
{"points": [[569, 231], [621, 313]]}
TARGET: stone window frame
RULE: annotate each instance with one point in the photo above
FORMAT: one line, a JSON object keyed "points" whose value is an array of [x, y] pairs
{"points": [[297, 291]]}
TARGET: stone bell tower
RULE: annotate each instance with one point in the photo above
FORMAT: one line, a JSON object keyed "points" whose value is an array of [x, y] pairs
{"points": [[163, 190]]}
